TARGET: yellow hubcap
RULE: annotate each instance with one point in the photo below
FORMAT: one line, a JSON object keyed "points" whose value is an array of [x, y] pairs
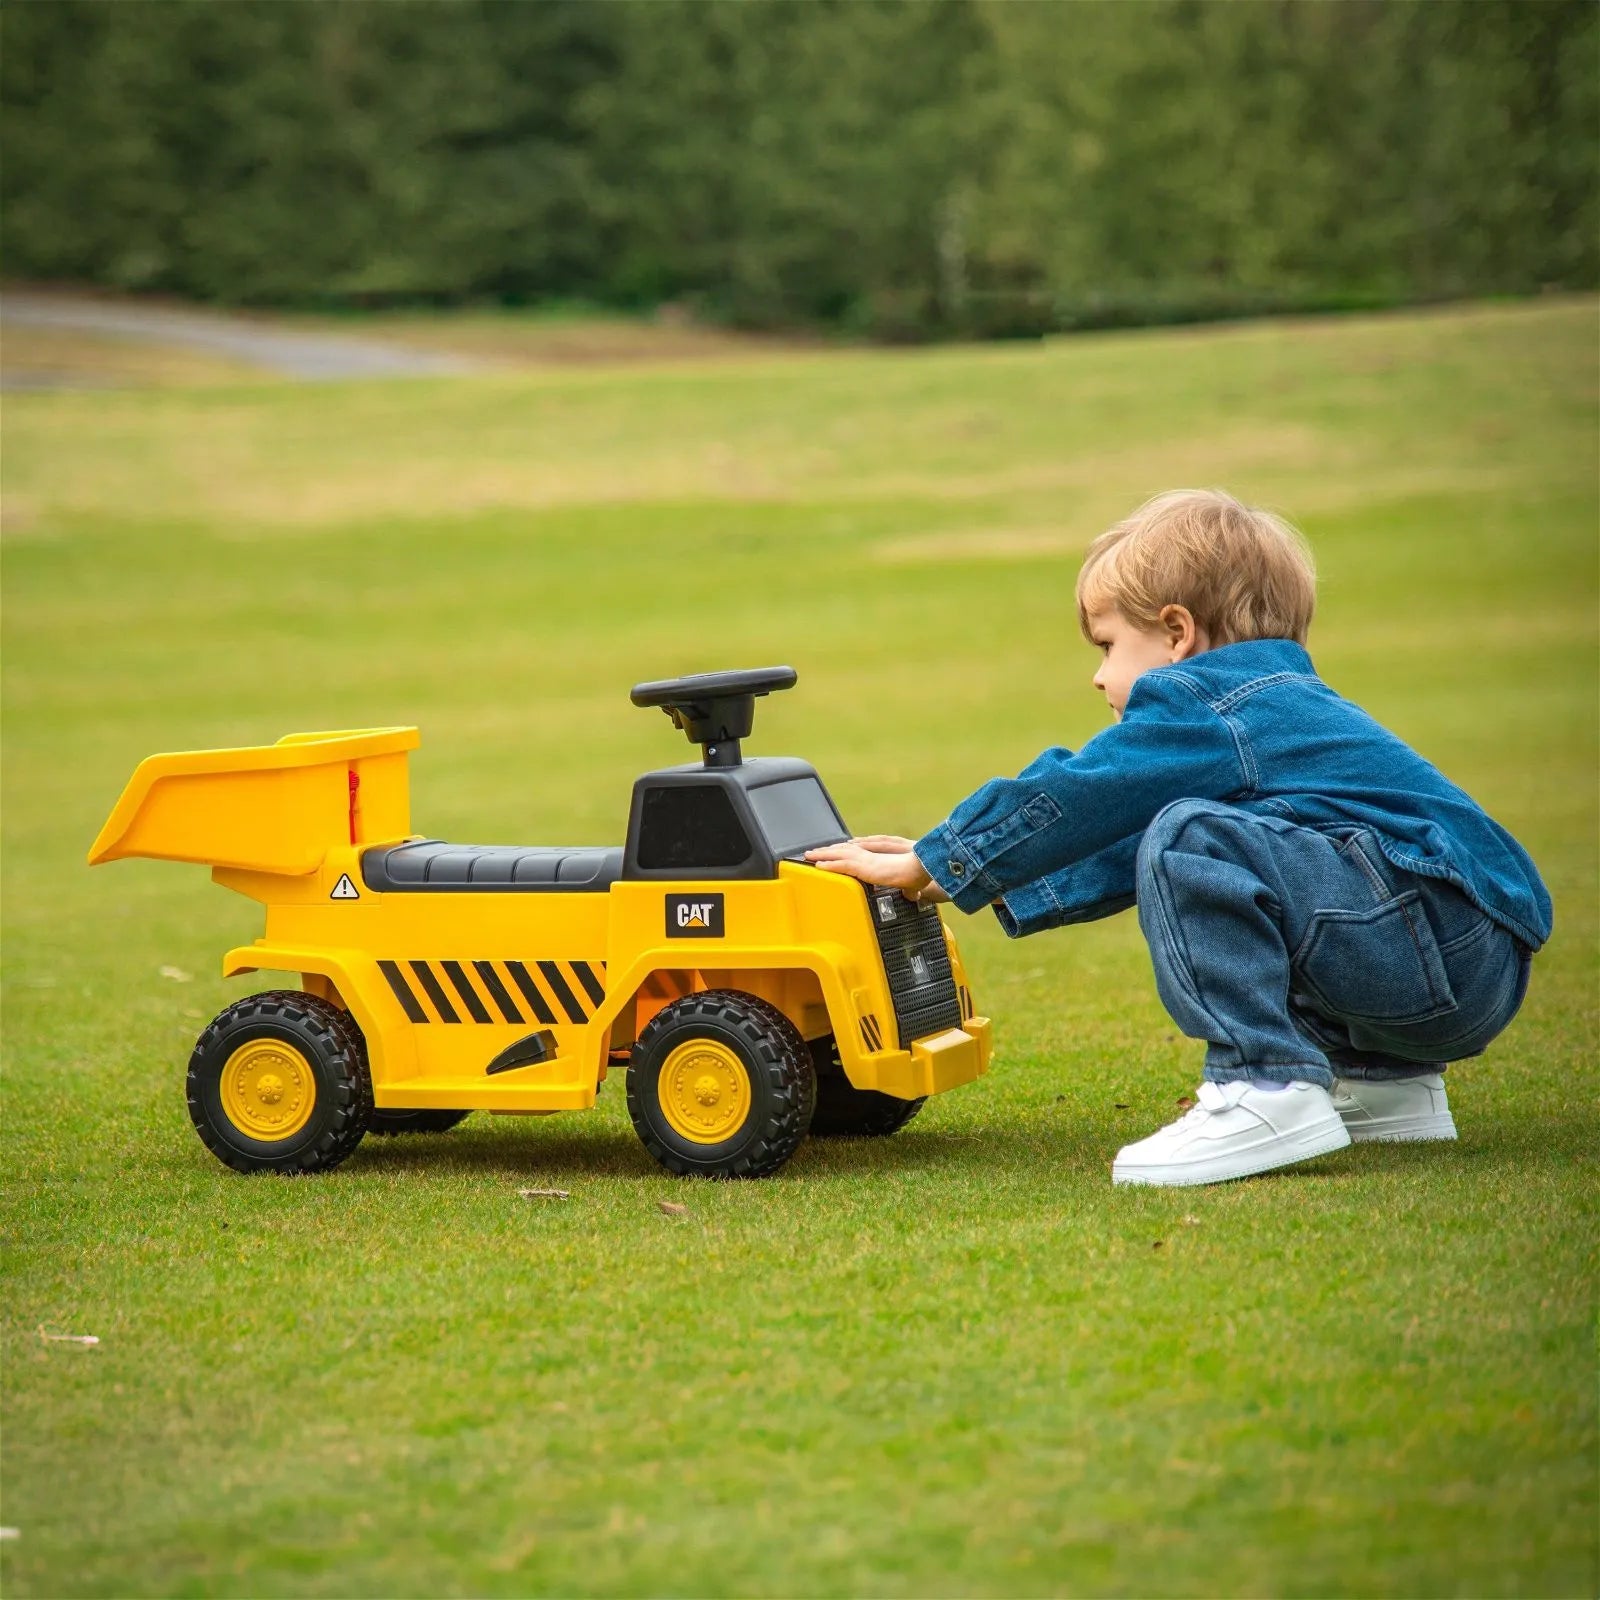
{"points": [[705, 1091], [267, 1089]]}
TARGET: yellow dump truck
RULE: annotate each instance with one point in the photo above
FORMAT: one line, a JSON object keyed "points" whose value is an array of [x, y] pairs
{"points": [[754, 998]]}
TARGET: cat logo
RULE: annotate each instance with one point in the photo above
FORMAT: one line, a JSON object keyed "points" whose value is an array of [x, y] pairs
{"points": [[694, 916]]}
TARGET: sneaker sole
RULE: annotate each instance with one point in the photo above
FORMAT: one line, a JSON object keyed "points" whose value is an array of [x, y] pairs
{"points": [[1403, 1130], [1318, 1140]]}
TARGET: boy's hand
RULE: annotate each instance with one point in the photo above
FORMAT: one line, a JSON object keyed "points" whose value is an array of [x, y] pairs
{"points": [[879, 858], [884, 844]]}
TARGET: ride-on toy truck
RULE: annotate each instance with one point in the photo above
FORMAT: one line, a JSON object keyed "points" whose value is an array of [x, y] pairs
{"points": [[754, 998]]}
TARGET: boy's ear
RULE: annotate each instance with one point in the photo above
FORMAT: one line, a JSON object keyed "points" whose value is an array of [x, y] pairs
{"points": [[1185, 636]]}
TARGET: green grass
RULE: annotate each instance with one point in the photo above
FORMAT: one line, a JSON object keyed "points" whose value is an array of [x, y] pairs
{"points": [[954, 1362]]}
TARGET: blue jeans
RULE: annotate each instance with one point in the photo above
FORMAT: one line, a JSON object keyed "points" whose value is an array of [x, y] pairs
{"points": [[1301, 956]]}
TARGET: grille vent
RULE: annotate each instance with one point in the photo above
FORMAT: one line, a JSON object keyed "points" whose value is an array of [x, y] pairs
{"points": [[916, 962]]}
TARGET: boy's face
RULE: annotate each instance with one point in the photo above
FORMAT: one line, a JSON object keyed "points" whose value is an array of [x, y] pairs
{"points": [[1127, 650]]}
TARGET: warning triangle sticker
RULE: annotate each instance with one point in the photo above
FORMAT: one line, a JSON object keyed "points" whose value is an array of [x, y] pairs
{"points": [[344, 889]]}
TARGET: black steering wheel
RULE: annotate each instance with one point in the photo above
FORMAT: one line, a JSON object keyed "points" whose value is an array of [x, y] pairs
{"points": [[715, 709]]}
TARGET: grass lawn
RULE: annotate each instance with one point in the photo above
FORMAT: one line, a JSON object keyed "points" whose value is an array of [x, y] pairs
{"points": [[953, 1362]]}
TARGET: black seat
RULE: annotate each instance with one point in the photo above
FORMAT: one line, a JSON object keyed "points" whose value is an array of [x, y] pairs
{"points": [[426, 864]]}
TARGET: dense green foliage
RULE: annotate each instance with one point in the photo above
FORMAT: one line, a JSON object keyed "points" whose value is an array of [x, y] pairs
{"points": [[955, 1362], [893, 166]]}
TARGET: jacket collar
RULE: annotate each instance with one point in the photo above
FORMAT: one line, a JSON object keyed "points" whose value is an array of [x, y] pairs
{"points": [[1255, 658]]}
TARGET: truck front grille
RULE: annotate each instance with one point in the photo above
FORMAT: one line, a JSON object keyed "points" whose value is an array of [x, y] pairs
{"points": [[917, 964]]}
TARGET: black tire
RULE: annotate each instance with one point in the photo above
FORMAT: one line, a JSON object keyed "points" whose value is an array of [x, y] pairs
{"points": [[329, 1044], [782, 1085], [846, 1112], [392, 1122]]}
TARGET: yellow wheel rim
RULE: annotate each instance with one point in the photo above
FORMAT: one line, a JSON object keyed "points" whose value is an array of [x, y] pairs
{"points": [[704, 1091], [268, 1091]]}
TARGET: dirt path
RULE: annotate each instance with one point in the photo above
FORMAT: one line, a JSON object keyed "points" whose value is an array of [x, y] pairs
{"points": [[312, 358]]}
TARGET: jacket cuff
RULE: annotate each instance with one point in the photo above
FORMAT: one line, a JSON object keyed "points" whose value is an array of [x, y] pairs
{"points": [[1030, 909], [951, 865]]}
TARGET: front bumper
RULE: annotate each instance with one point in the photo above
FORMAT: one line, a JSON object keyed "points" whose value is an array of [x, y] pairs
{"points": [[938, 1062]]}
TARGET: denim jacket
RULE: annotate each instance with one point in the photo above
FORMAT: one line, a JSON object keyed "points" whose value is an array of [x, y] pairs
{"points": [[1248, 724]]}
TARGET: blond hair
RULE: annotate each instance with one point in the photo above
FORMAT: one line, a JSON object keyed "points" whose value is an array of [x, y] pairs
{"points": [[1243, 573]]}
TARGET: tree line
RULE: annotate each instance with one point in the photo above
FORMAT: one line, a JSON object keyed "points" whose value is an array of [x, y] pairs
{"points": [[895, 168]]}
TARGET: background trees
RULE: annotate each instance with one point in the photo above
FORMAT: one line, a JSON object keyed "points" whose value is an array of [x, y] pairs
{"points": [[898, 167]]}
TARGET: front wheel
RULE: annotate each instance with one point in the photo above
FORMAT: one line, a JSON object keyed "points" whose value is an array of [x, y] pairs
{"points": [[846, 1112], [720, 1085], [279, 1083]]}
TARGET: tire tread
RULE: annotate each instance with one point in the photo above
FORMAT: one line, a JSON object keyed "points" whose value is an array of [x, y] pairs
{"points": [[846, 1112], [331, 1029], [781, 1056]]}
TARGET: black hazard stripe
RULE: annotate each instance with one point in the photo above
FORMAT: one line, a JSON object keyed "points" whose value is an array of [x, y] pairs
{"points": [[542, 995], [402, 991], [469, 996], [497, 991], [441, 1001], [569, 1001], [531, 991], [595, 989]]}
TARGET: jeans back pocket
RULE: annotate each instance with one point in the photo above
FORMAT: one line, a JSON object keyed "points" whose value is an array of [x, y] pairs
{"points": [[1381, 966]]}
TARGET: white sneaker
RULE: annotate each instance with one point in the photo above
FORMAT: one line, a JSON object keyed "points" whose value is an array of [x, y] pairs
{"points": [[1413, 1108], [1233, 1132]]}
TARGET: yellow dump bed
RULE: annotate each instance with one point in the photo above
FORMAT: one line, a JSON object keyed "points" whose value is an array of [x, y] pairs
{"points": [[265, 808]]}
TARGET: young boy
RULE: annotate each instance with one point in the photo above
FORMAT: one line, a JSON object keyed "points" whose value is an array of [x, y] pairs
{"points": [[1333, 916]]}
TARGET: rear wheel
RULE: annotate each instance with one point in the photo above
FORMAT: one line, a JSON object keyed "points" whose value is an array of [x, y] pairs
{"points": [[720, 1085], [414, 1121], [846, 1112], [279, 1083]]}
